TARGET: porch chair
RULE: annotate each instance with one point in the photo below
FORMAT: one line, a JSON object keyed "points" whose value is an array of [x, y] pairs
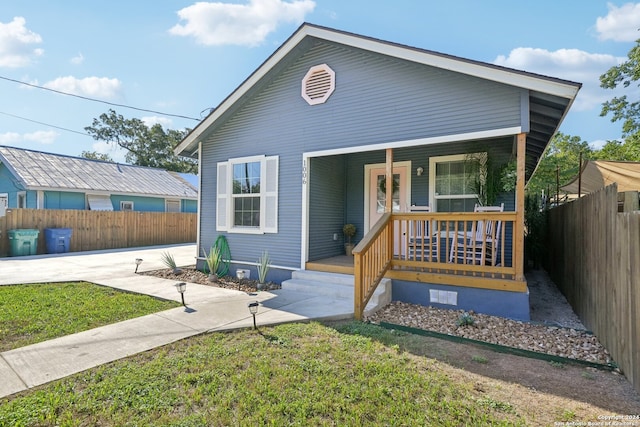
{"points": [[422, 242], [482, 244]]}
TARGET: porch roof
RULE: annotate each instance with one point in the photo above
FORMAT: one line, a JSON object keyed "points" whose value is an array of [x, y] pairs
{"points": [[549, 98]]}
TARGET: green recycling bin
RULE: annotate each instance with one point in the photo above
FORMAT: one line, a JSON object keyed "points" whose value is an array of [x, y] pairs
{"points": [[23, 242]]}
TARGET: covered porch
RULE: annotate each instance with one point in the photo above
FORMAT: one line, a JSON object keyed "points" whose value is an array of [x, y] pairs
{"points": [[481, 250]]}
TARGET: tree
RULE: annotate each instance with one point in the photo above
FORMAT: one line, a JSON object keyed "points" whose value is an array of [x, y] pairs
{"points": [[623, 109], [563, 152], [146, 146], [94, 155]]}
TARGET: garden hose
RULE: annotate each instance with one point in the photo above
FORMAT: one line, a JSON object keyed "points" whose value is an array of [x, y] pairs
{"points": [[222, 246]]}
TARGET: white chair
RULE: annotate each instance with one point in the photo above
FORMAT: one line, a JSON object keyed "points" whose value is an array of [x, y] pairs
{"points": [[482, 244], [422, 243]]}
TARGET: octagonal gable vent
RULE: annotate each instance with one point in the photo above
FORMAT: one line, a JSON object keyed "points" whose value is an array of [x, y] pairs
{"points": [[318, 84]]}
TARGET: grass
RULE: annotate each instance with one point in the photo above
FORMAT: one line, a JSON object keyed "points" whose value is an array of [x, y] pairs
{"points": [[39, 312], [293, 374]]}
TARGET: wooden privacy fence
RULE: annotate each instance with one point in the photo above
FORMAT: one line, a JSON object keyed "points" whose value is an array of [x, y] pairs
{"points": [[594, 258], [93, 230]]}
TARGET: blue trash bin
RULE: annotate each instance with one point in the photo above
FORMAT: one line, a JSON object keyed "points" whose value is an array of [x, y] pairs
{"points": [[57, 240]]}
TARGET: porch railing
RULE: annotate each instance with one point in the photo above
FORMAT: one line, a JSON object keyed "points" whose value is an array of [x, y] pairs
{"points": [[464, 249], [372, 258]]}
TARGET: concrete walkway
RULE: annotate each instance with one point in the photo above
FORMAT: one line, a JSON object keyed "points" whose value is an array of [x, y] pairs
{"points": [[209, 309]]}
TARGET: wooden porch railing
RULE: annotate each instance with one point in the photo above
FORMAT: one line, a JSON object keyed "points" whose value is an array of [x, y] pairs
{"points": [[463, 249], [372, 258]]}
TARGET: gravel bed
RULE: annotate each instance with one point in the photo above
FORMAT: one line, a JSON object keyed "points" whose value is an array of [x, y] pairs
{"points": [[558, 341]]}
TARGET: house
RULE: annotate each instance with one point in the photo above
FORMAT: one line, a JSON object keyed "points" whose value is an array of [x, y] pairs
{"points": [[38, 180], [309, 141]]}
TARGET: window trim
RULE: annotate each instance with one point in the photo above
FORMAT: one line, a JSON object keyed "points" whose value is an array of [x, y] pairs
{"points": [[123, 203], [433, 161], [269, 170], [21, 195]]}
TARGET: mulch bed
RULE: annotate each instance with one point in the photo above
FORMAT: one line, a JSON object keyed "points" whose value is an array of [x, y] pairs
{"points": [[191, 275]]}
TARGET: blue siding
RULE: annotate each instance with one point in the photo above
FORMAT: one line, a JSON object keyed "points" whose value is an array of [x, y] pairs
{"points": [[140, 204], [327, 207], [189, 206], [64, 200], [9, 185], [377, 100]]}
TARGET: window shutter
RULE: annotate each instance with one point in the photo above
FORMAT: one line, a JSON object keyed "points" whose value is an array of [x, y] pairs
{"points": [[270, 211], [222, 197]]}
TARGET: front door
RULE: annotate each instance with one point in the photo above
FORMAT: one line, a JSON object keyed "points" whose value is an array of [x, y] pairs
{"points": [[378, 196], [377, 192]]}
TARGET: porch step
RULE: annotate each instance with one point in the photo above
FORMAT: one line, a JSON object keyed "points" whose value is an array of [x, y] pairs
{"points": [[337, 286]]}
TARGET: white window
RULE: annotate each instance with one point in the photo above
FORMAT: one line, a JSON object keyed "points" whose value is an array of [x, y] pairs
{"points": [[172, 206], [126, 206], [22, 199], [452, 183], [247, 195]]}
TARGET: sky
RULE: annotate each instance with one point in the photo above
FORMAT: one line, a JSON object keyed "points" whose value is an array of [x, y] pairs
{"points": [[171, 61]]}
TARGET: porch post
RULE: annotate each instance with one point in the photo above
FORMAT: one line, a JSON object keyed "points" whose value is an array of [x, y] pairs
{"points": [[389, 181], [518, 240]]}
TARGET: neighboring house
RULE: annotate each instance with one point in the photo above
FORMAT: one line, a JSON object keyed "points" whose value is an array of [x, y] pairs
{"points": [[304, 144], [37, 180]]}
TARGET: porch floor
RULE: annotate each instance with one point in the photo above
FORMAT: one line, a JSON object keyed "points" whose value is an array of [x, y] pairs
{"points": [[338, 264]]}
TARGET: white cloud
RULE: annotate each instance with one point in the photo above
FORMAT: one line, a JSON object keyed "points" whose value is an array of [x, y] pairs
{"points": [[621, 23], [115, 152], [569, 64], [78, 59], [10, 138], [153, 120], [16, 44], [597, 144], [42, 136], [95, 87], [216, 24]]}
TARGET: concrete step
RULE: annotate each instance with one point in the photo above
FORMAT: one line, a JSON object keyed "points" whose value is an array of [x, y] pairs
{"points": [[340, 286]]}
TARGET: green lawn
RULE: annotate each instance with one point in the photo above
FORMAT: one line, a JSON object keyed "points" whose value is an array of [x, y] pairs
{"points": [[39, 312], [294, 374]]}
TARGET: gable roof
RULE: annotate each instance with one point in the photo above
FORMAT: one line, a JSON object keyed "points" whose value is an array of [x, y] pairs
{"points": [[549, 97], [37, 170]]}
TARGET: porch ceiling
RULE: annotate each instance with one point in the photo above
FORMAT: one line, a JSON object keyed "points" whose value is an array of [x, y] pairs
{"points": [[545, 115]]}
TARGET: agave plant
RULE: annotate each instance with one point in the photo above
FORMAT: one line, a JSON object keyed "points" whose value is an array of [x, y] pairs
{"points": [[170, 262], [263, 268], [213, 259]]}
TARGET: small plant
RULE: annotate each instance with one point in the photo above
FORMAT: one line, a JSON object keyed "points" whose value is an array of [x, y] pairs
{"points": [[349, 230], [213, 259], [479, 359], [170, 262], [466, 319], [557, 365], [263, 267]]}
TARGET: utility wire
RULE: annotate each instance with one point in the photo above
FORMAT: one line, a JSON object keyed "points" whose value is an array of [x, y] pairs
{"points": [[45, 124], [98, 100]]}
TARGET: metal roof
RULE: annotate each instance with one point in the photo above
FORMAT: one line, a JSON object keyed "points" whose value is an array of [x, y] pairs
{"points": [[37, 170], [549, 98]]}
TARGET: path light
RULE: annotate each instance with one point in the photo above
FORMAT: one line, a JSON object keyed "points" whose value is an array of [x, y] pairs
{"points": [[181, 287], [253, 309], [240, 274], [138, 262]]}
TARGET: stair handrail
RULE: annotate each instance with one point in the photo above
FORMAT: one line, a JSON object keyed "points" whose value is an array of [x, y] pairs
{"points": [[371, 266]]}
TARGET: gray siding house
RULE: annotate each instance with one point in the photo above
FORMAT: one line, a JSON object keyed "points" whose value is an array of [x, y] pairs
{"points": [[309, 141]]}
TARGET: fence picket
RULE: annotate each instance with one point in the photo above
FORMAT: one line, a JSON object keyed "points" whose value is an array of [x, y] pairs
{"points": [[93, 230]]}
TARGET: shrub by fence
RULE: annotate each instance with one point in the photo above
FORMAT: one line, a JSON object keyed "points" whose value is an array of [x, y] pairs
{"points": [[594, 258], [93, 230]]}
